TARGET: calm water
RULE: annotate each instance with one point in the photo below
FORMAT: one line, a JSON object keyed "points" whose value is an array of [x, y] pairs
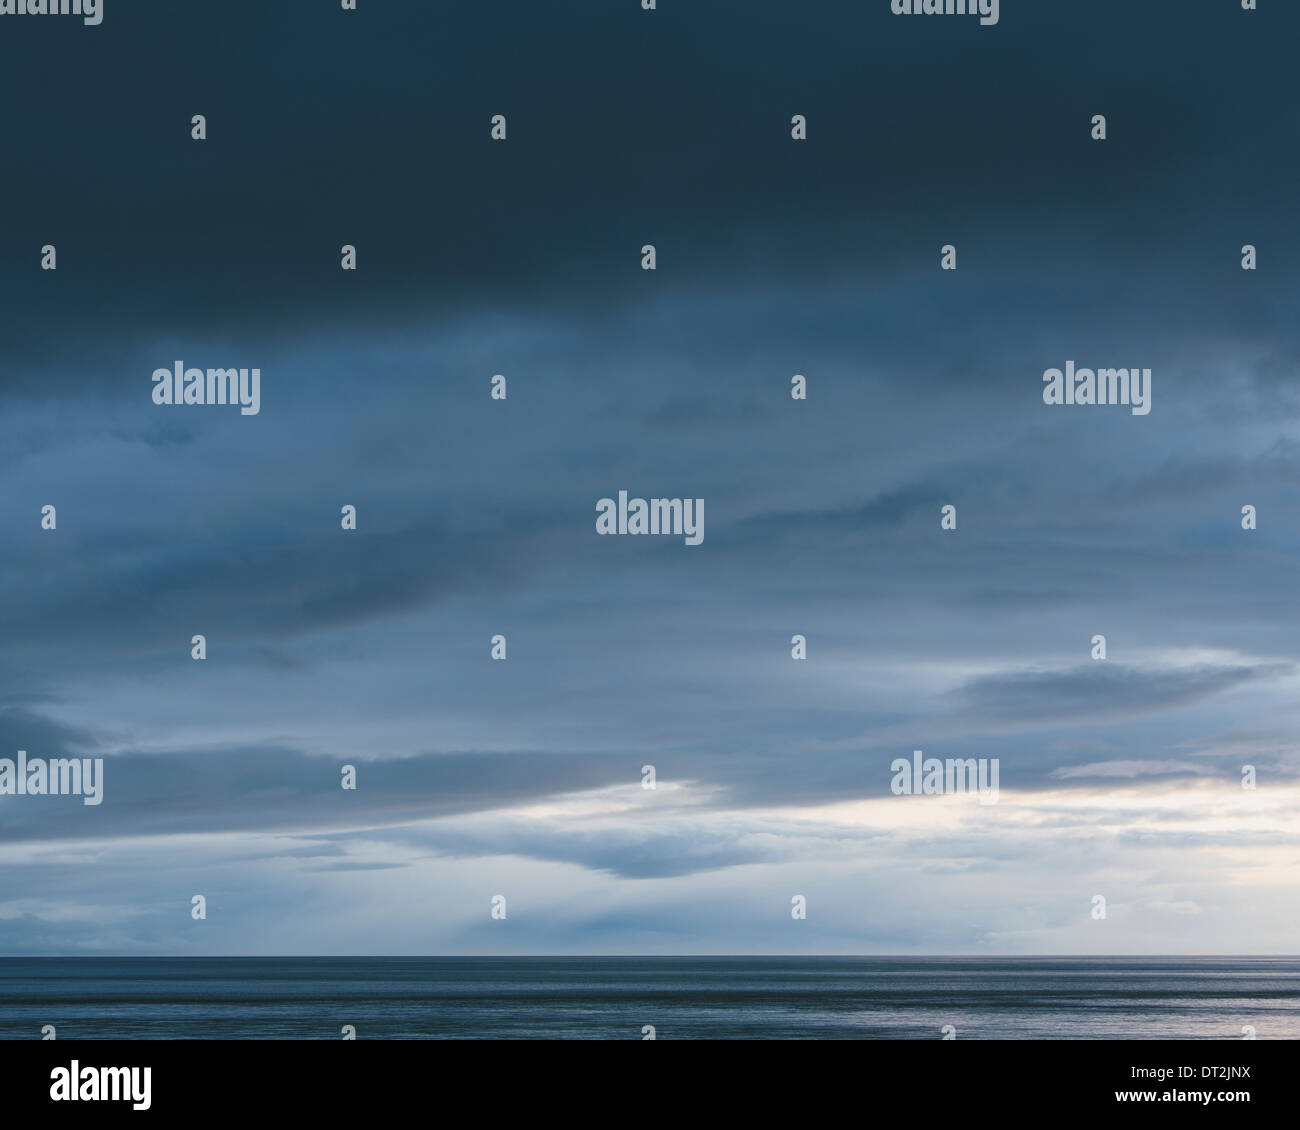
{"points": [[612, 998]]}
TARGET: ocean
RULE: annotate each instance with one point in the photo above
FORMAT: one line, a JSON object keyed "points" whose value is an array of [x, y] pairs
{"points": [[610, 998]]}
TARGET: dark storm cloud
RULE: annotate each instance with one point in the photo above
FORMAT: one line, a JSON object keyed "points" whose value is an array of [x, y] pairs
{"points": [[380, 139], [22, 728], [276, 789], [264, 591], [1103, 689], [270, 788]]}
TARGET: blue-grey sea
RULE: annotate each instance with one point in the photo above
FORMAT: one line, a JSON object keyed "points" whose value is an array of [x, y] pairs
{"points": [[611, 998]]}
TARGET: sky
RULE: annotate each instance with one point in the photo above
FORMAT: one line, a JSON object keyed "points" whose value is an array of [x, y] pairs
{"points": [[522, 777]]}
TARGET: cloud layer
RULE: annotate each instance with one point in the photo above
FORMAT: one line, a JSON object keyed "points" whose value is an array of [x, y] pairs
{"points": [[475, 517]]}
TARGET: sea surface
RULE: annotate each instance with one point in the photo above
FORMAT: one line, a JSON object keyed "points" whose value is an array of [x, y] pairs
{"points": [[613, 998]]}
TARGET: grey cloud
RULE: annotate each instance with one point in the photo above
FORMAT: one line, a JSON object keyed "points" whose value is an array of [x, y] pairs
{"points": [[1104, 689]]}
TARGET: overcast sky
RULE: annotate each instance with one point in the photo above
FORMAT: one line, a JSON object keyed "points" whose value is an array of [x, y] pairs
{"points": [[476, 517]]}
